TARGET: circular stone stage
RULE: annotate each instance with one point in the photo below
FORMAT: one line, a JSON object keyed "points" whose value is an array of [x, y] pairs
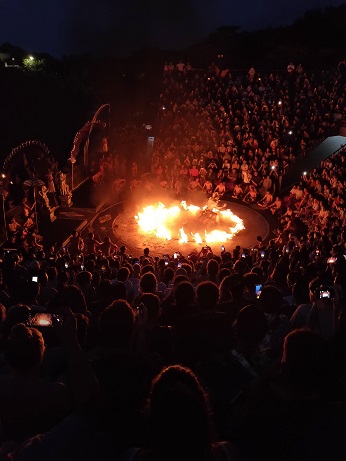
{"points": [[125, 227]]}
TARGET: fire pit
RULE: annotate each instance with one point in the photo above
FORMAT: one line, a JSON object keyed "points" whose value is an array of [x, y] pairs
{"points": [[189, 223]]}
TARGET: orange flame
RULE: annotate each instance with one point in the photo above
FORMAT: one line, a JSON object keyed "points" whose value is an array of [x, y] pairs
{"points": [[158, 219]]}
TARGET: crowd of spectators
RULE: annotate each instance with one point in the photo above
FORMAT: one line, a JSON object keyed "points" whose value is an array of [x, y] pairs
{"points": [[238, 355], [105, 354], [222, 130], [318, 200]]}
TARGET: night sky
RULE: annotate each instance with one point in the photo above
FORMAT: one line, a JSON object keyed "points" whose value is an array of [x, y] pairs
{"points": [[118, 27]]}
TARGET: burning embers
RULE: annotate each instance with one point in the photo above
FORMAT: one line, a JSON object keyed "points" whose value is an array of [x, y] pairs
{"points": [[189, 223]]}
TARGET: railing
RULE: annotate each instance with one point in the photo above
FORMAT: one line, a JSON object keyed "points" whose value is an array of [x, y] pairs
{"points": [[337, 151]]}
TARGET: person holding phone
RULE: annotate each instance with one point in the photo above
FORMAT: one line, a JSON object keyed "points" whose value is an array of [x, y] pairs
{"points": [[31, 405], [319, 313], [322, 317], [45, 403]]}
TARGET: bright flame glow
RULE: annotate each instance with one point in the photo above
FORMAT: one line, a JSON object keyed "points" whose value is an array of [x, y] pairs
{"points": [[159, 220], [192, 208], [217, 236], [183, 236], [198, 238]]}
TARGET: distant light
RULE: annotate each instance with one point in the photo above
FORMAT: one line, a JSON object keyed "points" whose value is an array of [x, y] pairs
{"points": [[280, 102], [290, 132], [148, 127], [31, 58], [11, 182], [273, 167], [163, 108], [3, 175], [304, 173]]}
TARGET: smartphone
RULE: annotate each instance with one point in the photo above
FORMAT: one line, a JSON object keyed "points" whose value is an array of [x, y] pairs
{"points": [[103, 268], [288, 249], [324, 294], [331, 260], [317, 252], [243, 255], [262, 254], [43, 319], [258, 288], [166, 263], [139, 310], [66, 265], [222, 248], [82, 267], [176, 255], [179, 264], [34, 278]]}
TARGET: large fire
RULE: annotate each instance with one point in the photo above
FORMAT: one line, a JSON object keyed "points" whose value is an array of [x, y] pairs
{"points": [[189, 223]]}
